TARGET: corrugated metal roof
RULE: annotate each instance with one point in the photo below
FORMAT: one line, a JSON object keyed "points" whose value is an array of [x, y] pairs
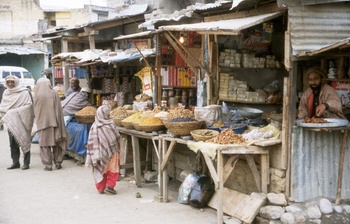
{"points": [[134, 35], [289, 3], [231, 26], [188, 12], [341, 44], [315, 164], [318, 26], [19, 50]]}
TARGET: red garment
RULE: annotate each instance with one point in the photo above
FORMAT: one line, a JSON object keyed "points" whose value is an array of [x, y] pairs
{"points": [[310, 105], [109, 179]]}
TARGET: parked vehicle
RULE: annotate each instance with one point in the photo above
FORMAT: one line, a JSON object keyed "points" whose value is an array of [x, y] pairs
{"points": [[25, 77]]}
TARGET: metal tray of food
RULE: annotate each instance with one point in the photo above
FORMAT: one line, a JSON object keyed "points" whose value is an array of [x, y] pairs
{"points": [[331, 122]]}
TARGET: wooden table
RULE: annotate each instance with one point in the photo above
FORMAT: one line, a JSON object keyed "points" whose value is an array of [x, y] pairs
{"points": [[157, 145], [223, 171]]}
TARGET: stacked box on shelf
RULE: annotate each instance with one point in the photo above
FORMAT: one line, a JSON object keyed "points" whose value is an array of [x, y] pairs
{"points": [[241, 88], [224, 80], [230, 58]]}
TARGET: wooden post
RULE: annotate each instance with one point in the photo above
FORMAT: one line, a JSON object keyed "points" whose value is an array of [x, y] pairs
{"points": [[220, 206], [136, 155], [341, 166]]}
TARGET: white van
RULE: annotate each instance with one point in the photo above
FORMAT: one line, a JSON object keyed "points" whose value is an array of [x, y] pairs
{"points": [[25, 77]]}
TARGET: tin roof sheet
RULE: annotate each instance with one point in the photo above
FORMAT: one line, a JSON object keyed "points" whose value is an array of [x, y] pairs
{"points": [[19, 50], [318, 26], [231, 26]]}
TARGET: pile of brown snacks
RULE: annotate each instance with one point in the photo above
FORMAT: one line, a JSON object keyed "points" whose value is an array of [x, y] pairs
{"points": [[227, 136], [150, 121], [180, 112], [133, 117], [119, 112], [86, 111]]}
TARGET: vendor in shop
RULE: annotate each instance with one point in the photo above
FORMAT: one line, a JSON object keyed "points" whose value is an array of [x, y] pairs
{"points": [[320, 99], [75, 102]]}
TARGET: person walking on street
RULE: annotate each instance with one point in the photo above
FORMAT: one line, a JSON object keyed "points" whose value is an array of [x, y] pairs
{"points": [[103, 151], [2, 89], [16, 111], [52, 132]]}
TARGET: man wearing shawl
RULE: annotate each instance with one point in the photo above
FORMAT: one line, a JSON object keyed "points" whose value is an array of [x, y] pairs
{"points": [[16, 112], [75, 102], [52, 132], [320, 99], [103, 151]]}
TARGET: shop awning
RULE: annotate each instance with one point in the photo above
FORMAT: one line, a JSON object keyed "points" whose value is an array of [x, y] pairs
{"points": [[131, 55], [46, 38], [228, 27], [340, 45], [136, 35], [99, 56], [19, 50], [78, 57]]}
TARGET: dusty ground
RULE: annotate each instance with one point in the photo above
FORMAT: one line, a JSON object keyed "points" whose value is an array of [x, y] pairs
{"points": [[69, 196]]}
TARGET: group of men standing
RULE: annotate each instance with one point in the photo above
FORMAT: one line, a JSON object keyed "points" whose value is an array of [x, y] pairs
{"points": [[19, 109]]}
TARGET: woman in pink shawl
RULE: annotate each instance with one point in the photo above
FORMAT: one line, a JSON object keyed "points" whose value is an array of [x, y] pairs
{"points": [[53, 135], [103, 151]]}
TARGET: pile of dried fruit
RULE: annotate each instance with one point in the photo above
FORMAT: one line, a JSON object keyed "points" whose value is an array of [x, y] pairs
{"points": [[86, 111], [180, 112], [227, 136], [182, 119]]}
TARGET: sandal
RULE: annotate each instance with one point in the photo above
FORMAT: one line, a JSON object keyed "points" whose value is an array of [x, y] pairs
{"points": [[48, 169]]}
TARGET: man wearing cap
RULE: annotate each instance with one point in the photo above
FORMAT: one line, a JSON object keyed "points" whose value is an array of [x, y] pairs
{"points": [[74, 86], [320, 99], [75, 102], [16, 111]]}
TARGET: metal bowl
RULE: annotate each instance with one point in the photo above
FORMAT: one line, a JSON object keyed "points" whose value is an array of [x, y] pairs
{"points": [[250, 113]]}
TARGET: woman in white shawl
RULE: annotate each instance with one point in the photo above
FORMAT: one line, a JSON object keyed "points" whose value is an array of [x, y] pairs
{"points": [[52, 132], [103, 151], [16, 111]]}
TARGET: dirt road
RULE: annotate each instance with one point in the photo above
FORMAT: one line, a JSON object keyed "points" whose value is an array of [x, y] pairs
{"points": [[69, 196]]}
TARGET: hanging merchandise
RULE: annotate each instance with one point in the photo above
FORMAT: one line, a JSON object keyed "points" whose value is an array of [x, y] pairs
{"points": [[146, 78]]}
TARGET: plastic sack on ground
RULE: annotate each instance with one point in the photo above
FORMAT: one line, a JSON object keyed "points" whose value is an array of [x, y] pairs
{"points": [[201, 192], [186, 187]]}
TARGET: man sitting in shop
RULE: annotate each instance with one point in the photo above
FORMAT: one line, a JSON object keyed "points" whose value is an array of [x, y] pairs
{"points": [[74, 86], [320, 99], [74, 103]]}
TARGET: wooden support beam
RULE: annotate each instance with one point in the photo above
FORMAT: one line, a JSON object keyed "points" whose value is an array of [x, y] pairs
{"points": [[168, 153], [212, 170], [255, 171]]}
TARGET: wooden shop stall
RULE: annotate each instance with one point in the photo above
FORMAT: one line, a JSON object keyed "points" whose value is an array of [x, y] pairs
{"points": [[319, 155], [239, 60], [106, 79]]}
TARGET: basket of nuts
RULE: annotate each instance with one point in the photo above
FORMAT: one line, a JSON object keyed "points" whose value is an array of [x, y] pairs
{"points": [[86, 115], [183, 126]]}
